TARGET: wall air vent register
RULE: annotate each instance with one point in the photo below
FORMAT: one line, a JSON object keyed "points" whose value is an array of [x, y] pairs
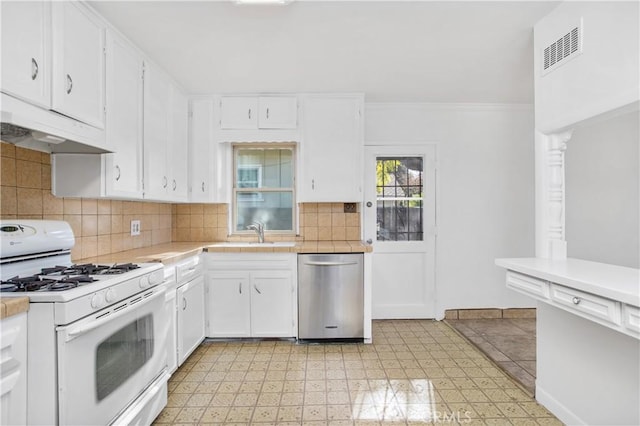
{"points": [[564, 48]]}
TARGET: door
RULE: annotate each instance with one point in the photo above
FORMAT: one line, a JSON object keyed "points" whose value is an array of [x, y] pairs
{"points": [[78, 63], [238, 112], [201, 151], [25, 66], [107, 359], [157, 116], [278, 112], [178, 146], [190, 299], [271, 304], [229, 305], [124, 123], [399, 220]]}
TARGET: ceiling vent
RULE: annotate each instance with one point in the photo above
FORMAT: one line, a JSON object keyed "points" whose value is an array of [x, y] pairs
{"points": [[563, 49]]}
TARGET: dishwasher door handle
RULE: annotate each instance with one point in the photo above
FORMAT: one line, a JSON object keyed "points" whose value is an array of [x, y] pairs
{"points": [[330, 263]]}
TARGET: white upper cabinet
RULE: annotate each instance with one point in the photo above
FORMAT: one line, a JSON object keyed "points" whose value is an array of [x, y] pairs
{"points": [[201, 151], [124, 125], [78, 63], [157, 92], [278, 112], [178, 146], [586, 62], [332, 149], [165, 138], [25, 61], [265, 112]]}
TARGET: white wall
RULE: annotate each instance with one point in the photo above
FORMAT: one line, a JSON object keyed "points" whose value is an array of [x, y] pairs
{"points": [[485, 200], [602, 192], [604, 77]]}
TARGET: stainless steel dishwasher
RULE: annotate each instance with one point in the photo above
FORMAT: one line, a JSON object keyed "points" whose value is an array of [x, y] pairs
{"points": [[330, 296]]}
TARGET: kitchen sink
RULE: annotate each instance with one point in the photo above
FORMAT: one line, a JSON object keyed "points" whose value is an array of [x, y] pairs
{"points": [[241, 244]]}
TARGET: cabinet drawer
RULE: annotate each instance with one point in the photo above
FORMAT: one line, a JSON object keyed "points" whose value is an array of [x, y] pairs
{"points": [[587, 304], [631, 318], [189, 269], [530, 286]]}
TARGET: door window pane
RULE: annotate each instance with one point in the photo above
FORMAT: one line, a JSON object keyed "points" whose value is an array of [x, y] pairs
{"points": [[400, 197]]}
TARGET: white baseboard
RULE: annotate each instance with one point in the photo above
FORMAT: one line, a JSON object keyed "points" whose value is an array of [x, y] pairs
{"points": [[563, 414]]}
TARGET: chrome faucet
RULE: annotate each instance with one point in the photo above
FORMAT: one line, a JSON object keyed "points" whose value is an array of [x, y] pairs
{"points": [[259, 228]]}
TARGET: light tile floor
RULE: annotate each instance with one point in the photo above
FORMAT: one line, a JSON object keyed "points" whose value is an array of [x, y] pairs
{"points": [[415, 372], [509, 342]]}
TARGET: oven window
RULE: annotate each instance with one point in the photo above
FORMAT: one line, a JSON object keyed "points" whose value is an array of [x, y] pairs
{"points": [[122, 354]]}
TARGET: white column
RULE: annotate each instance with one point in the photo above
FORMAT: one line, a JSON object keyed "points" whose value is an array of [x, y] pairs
{"points": [[550, 195]]}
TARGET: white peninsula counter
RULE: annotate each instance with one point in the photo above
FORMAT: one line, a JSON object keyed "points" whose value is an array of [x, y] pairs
{"points": [[588, 337]]}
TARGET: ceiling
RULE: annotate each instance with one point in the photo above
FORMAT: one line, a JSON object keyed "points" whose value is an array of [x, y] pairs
{"points": [[393, 51]]}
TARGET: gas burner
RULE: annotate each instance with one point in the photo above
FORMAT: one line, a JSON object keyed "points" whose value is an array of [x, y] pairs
{"points": [[63, 285], [33, 283]]}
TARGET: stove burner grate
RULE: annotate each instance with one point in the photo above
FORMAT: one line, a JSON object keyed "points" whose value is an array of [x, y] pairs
{"points": [[33, 283], [90, 269]]}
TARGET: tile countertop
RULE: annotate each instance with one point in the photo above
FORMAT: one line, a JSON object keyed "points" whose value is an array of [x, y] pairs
{"points": [[174, 252], [13, 306]]}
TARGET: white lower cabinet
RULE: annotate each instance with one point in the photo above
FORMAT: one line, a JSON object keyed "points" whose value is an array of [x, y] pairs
{"points": [[251, 295], [190, 320], [13, 370], [185, 307], [229, 305]]}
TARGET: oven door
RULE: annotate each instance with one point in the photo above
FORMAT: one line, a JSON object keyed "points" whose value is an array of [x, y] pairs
{"points": [[107, 360]]}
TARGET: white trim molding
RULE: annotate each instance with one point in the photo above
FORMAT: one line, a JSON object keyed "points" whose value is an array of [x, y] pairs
{"points": [[550, 195]]}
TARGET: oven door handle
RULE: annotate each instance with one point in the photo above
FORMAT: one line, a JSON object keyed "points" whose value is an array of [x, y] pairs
{"points": [[77, 330]]}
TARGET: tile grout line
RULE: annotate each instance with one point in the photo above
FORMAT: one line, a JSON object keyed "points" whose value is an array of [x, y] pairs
{"points": [[486, 356]]}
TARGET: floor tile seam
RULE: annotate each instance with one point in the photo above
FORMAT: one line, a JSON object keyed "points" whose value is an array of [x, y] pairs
{"points": [[488, 359]]}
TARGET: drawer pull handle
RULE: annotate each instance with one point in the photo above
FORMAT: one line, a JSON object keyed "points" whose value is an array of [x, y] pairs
{"points": [[576, 300], [34, 69]]}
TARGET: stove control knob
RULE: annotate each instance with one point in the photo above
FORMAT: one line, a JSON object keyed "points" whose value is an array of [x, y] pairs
{"points": [[144, 282], [156, 277], [97, 301], [110, 296]]}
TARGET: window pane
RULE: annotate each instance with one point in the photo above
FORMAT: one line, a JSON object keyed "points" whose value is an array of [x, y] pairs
{"points": [[274, 209], [264, 167], [400, 198]]}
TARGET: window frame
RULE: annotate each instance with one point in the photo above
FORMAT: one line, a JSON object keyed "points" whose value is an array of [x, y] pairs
{"points": [[235, 147]]}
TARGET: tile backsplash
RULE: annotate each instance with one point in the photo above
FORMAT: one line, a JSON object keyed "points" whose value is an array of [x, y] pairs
{"points": [[100, 226], [103, 226]]}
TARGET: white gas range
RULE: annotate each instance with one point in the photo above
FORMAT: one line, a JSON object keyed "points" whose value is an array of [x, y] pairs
{"points": [[96, 333]]}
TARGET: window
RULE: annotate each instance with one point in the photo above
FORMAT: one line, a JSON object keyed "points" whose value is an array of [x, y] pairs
{"points": [[400, 198], [263, 187]]}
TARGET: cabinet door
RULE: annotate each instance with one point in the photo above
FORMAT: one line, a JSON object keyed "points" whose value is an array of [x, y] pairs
{"points": [[332, 135], [278, 112], [124, 119], [190, 298], [78, 63], [25, 57], [178, 146], [271, 304], [201, 151], [13, 375], [156, 133], [239, 112], [229, 303]]}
